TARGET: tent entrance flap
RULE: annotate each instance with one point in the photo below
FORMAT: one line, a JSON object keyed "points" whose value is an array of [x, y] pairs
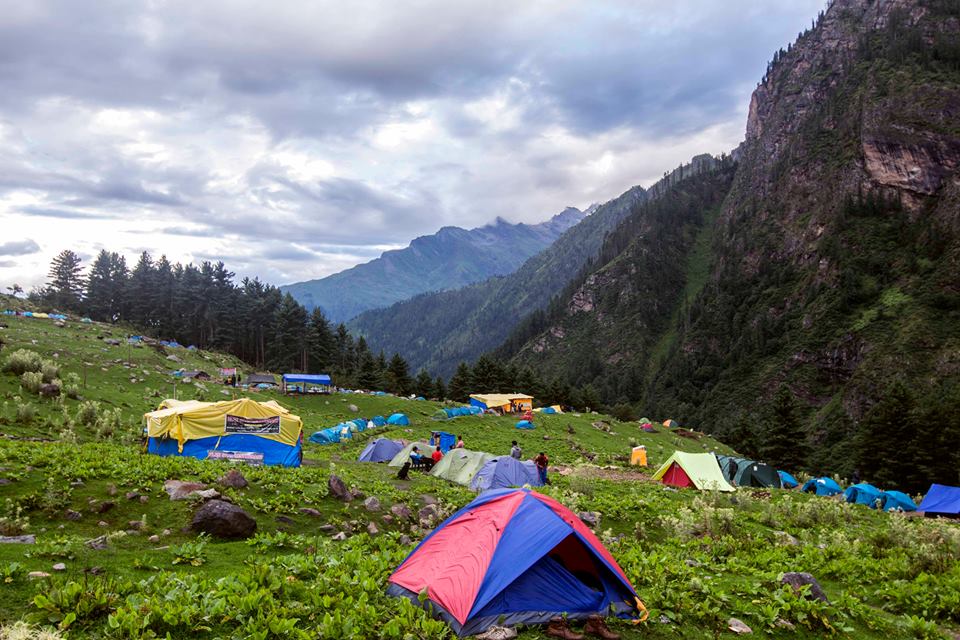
{"points": [[677, 477]]}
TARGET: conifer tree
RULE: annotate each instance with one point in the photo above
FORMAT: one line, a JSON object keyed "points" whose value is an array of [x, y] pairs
{"points": [[461, 384], [881, 457], [783, 442], [321, 342], [398, 376], [65, 288], [439, 389], [423, 385]]}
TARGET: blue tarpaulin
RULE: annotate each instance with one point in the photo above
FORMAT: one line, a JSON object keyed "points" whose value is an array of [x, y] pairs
{"points": [[274, 453], [524, 424], [941, 498], [445, 440], [306, 378]]}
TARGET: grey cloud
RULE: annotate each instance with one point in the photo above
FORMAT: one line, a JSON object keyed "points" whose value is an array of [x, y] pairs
{"points": [[19, 248], [65, 214]]}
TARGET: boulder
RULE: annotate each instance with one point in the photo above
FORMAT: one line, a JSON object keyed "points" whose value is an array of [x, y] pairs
{"points": [[73, 515], [797, 580], [590, 518], [428, 516], [233, 479], [27, 539], [49, 390], [401, 511], [785, 539], [309, 511], [338, 489], [179, 490], [223, 520], [372, 504], [106, 506]]}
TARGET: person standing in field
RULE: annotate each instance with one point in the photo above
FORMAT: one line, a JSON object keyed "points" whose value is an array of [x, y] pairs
{"points": [[542, 462], [515, 451]]}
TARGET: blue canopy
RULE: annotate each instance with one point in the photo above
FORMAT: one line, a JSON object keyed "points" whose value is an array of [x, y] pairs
{"points": [[456, 412], [896, 501], [378, 420], [398, 419], [503, 472], [447, 441], [821, 486], [787, 480], [524, 424], [941, 498], [862, 493], [305, 378], [274, 453], [380, 450]]}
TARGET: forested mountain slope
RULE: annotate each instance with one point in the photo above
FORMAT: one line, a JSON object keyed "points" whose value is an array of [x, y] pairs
{"points": [[824, 301], [451, 258], [439, 330]]}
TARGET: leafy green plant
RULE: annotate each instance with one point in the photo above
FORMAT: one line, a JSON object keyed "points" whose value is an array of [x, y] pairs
{"points": [[31, 381], [22, 361], [13, 522], [12, 572], [192, 553]]}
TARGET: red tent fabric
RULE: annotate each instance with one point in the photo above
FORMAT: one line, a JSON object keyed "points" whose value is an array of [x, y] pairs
{"points": [[676, 476]]}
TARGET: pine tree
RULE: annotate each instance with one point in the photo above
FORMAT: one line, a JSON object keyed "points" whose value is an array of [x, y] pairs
{"points": [[368, 376], [321, 341], [880, 455], [487, 375], [439, 389], [288, 347], [423, 385], [398, 376], [783, 442], [138, 297], [65, 288], [102, 299], [461, 384]]}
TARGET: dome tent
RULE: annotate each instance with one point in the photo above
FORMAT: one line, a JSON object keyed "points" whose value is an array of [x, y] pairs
{"points": [[787, 481], [822, 486], [399, 420], [862, 493], [403, 455], [699, 470], [503, 472], [896, 501], [380, 450], [757, 474], [521, 558], [460, 465]]}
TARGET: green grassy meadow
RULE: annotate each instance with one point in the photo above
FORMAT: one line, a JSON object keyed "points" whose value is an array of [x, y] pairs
{"points": [[697, 560]]}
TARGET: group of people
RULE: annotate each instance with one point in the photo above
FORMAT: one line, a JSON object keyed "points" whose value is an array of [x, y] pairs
{"points": [[542, 461]]}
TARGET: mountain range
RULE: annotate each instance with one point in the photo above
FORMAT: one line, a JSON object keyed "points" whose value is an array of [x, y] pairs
{"points": [[451, 258], [809, 282]]}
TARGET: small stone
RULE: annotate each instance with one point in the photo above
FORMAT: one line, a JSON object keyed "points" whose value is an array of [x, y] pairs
{"points": [[372, 529], [405, 540], [143, 499], [786, 539], [797, 580], [111, 490], [234, 479], [98, 544], [154, 539], [340, 536], [76, 483], [428, 499], [353, 408], [546, 437], [590, 518], [59, 567], [664, 620], [285, 520], [207, 494], [136, 525], [179, 490], [309, 511], [106, 506], [784, 624], [95, 571], [103, 523], [357, 494], [401, 511], [132, 495], [326, 528], [37, 575], [25, 539], [387, 519], [372, 504], [428, 515], [338, 489], [165, 532], [692, 563], [738, 627]]}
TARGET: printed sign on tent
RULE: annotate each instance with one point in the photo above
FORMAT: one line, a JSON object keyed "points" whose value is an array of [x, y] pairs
{"points": [[239, 424]]}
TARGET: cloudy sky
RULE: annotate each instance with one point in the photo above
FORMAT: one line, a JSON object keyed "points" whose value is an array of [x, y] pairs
{"points": [[294, 139]]}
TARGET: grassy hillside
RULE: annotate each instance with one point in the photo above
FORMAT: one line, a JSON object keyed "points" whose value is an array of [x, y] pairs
{"points": [[696, 560]]}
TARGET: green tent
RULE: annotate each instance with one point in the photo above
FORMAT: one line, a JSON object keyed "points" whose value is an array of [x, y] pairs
{"points": [[404, 455], [757, 474], [699, 470], [460, 465]]}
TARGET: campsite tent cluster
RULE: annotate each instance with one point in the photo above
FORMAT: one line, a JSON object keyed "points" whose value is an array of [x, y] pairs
{"points": [[345, 430]]}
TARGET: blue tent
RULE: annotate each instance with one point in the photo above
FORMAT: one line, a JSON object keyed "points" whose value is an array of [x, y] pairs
{"points": [[274, 453], [446, 441], [379, 420], [456, 412], [896, 501], [513, 556], [941, 499], [419, 398], [548, 410], [821, 486], [380, 450], [787, 480], [862, 493], [398, 419], [524, 424], [503, 472]]}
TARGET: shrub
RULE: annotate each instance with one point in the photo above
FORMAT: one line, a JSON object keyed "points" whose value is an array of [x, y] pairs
{"points": [[71, 386], [623, 412], [55, 497], [26, 412], [31, 381], [109, 423], [22, 361], [13, 522], [88, 413], [50, 371]]}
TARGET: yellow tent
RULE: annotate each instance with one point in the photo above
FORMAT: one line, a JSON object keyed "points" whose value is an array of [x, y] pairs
{"points": [[503, 401], [638, 456], [670, 424], [192, 420]]}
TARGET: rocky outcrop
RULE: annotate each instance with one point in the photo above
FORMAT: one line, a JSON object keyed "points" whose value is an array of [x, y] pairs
{"points": [[223, 520]]}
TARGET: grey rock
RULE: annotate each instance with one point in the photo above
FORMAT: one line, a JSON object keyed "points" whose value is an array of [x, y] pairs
{"points": [[692, 563], [106, 506], [103, 523], [99, 543], [353, 408], [179, 490], [338, 489], [797, 580], [590, 518], [136, 525], [25, 539], [428, 499], [387, 519], [428, 515], [405, 540], [340, 536], [223, 520], [372, 504], [309, 511], [372, 529], [49, 390], [234, 479], [143, 499], [401, 511], [60, 567], [165, 532], [785, 539], [38, 575], [154, 539], [285, 520], [207, 494], [73, 515], [326, 528], [738, 626], [112, 490], [132, 495]]}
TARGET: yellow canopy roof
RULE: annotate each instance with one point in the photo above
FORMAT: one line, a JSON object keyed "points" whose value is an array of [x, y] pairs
{"points": [[499, 399], [191, 420]]}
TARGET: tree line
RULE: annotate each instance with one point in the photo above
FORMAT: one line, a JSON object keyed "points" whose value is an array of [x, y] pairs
{"points": [[201, 305]]}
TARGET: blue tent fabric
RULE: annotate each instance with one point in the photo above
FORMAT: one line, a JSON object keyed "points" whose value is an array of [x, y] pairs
{"points": [[524, 424], [307, 378], [503, 472], [787, 480], [398, 419], [447, 441], [476, 403], [379, 420], [821, 486], [896, 501], [274, 453], [456, 412], [941, 499], [548, 410], [863, 493], [380, 450]]}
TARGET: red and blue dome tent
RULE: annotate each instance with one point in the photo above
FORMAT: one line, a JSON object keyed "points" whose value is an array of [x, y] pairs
{"points": [[513, 556]]}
